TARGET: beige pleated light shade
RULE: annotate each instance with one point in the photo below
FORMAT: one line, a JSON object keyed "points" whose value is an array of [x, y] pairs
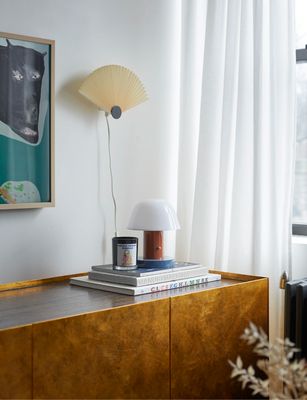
{"points": [[113, 86]]}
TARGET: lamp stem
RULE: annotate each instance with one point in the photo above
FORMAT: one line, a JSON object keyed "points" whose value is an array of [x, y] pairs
{"points": [[111, 175], [153, 245]]}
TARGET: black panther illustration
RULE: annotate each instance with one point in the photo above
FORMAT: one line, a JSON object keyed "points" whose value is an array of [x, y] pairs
{"points": [[21, 73]]}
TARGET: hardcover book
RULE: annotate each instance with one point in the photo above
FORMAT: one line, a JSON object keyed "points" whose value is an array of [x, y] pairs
{"points": [[128, 279], [134, 291], [145, 271]]}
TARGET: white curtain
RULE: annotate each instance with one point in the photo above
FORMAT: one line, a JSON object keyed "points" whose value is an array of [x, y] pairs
{"points": [[237, 138]]}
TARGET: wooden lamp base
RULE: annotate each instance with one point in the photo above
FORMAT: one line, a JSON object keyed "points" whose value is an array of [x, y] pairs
{"points": [[153, 245]]}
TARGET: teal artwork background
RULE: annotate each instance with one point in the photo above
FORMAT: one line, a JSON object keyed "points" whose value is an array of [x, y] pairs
{"points": [[20, 161]]}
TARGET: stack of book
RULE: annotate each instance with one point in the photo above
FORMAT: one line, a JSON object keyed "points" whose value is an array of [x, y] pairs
{"points": [[145, 280]]}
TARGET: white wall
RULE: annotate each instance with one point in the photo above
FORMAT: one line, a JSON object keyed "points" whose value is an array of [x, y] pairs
{"points": [[143, 36]]}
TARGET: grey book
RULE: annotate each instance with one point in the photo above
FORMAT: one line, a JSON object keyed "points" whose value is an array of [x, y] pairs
{"points": [[127, 279], [145, 271]]}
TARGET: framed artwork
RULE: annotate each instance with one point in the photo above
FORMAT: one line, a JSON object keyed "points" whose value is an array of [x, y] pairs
{"points": [[26, 122]]}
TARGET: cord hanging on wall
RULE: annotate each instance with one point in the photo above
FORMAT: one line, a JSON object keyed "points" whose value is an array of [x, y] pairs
{"points": [[115, 89]]}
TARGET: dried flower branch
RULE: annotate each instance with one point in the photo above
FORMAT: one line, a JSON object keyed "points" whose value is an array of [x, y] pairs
{"points": [[277, 363]]}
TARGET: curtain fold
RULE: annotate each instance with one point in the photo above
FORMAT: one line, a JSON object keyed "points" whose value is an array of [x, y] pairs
{"points": [[235, 181]]}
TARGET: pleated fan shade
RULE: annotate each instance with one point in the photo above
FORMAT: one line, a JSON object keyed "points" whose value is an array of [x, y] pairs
{"points": [[113, 89]]}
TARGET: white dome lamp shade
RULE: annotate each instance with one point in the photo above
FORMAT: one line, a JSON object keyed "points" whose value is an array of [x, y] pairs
{"points": [[153, 216]]}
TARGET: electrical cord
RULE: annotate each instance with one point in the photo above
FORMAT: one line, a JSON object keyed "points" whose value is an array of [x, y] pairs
{"points": [[111, 175]]}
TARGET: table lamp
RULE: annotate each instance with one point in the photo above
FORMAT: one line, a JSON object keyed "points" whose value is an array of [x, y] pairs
{"points": [[153, 216]]}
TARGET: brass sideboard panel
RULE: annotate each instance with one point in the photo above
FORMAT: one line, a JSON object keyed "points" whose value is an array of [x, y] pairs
{"points": [[205, 331], [71, 342], [16, 363], [117, 353]]}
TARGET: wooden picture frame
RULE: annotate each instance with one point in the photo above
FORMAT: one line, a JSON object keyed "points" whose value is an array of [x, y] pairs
{"points": [[26, 122]]}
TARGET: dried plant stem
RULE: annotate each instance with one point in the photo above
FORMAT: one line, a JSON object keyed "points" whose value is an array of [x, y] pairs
{"points": [[286, 376]]}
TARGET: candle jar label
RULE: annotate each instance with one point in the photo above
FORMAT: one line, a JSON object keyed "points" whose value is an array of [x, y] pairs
{"points": [[126, 255]]}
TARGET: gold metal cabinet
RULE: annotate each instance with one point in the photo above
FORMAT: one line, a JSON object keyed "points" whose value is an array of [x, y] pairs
{"points": [[118, 353], [205, 331], [16, 363], [64, 342]]}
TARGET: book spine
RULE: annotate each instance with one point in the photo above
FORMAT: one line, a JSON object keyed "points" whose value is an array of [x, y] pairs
{"points": [[148, 280], [176, 284], [173, 276], [112, 278]]}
